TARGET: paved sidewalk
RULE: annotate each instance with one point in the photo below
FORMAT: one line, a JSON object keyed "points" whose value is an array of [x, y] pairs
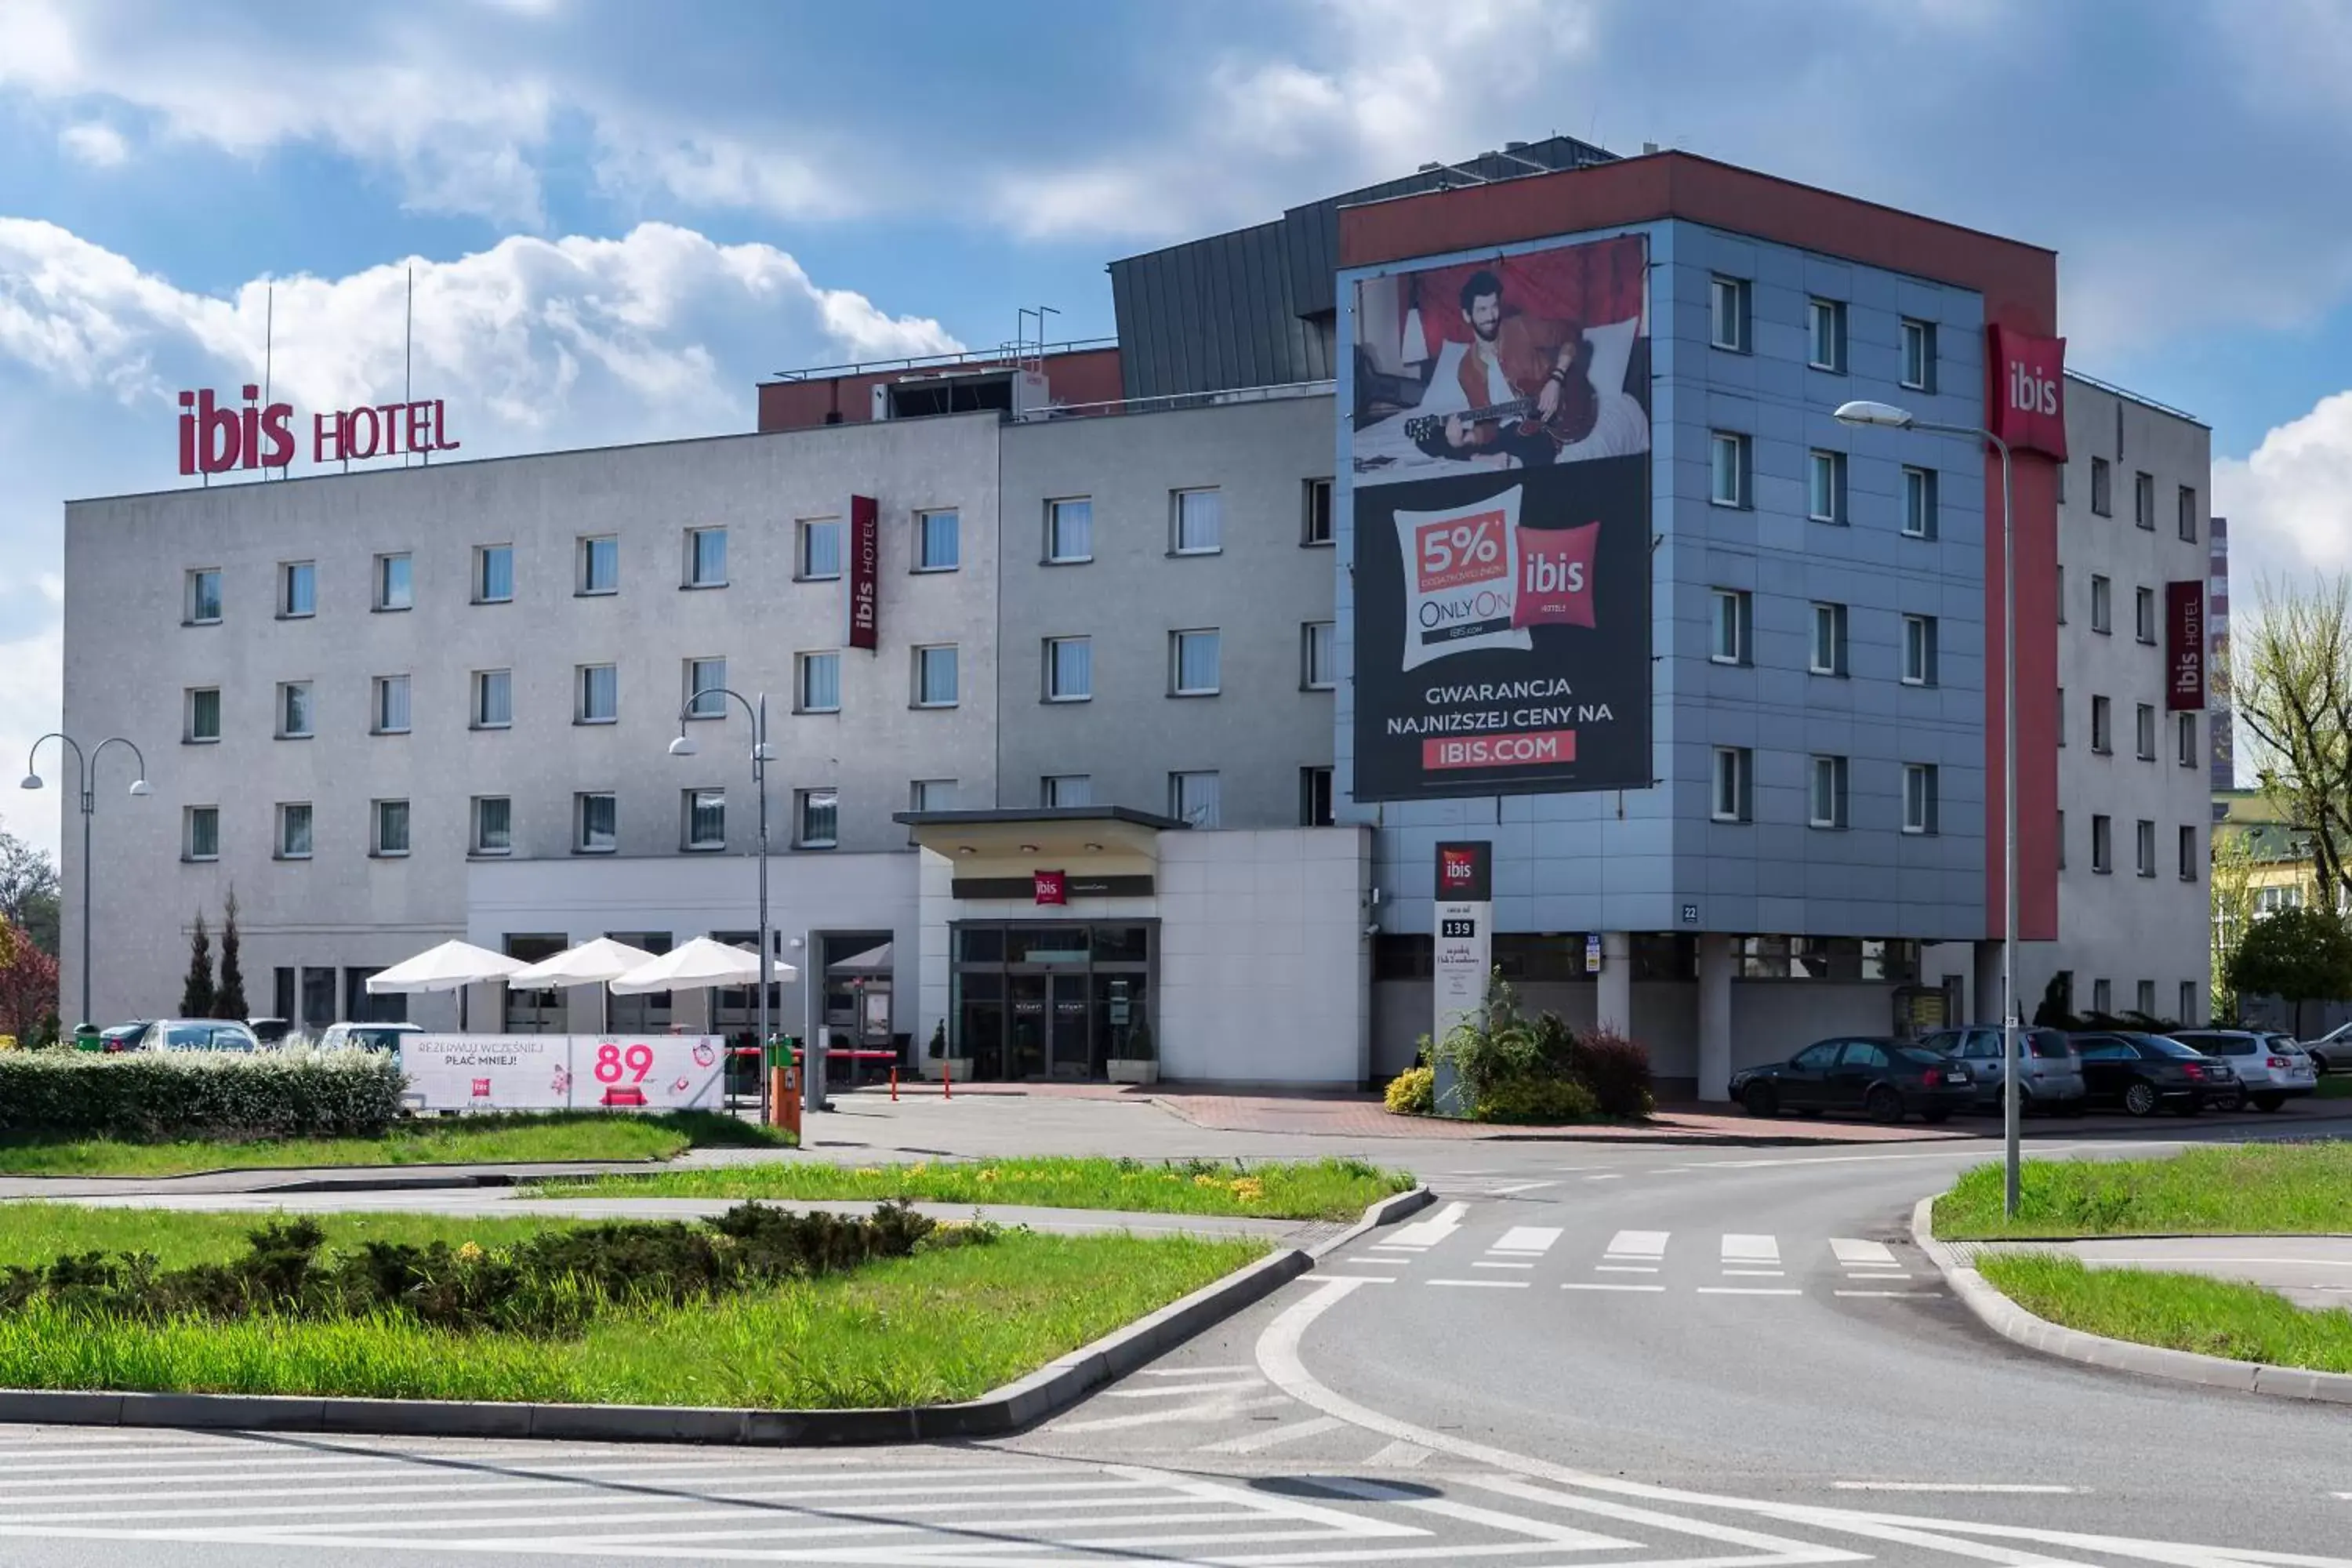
{"points": [[2309, 1270]]}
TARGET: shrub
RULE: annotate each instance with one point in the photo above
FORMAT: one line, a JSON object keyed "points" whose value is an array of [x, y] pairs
{"points": [[1414, 1092], [1616, 1069], [1537, 1100], [1495, 1046], [155, 1096]]}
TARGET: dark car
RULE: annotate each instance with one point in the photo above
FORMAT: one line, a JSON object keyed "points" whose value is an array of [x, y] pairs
{"points": [[2144, 1072], [122, 1036], [1886, 1079]]}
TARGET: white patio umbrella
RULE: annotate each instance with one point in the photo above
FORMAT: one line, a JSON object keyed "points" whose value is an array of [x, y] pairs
{"points": [[590, 963], [452, 966], [699, 965]]}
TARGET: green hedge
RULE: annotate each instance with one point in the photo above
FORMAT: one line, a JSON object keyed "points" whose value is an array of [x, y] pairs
{"points": [[150, 1096]]}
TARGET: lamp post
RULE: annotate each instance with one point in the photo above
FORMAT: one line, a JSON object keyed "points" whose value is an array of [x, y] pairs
{"points": [[86, 785], [1886, 415], [762, 754]]}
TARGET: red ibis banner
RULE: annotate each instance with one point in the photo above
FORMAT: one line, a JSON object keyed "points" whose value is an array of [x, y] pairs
{"points": [[865, 572], [1051, 888], [2025, 397], [2184, 647], [216, 437]]}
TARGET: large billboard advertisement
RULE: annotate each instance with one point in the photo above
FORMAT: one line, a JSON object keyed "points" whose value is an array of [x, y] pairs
{"points": [[1500, 468]]}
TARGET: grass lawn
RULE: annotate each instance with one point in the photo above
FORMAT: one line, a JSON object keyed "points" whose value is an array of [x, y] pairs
{"points": [[943, 1325], [2177, 1311], [556, 1135], [2335, 1086], [1306, 1189], [2245, 1187]]}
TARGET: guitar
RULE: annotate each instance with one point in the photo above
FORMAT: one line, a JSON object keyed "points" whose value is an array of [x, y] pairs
{"points": [[1573, 420]]}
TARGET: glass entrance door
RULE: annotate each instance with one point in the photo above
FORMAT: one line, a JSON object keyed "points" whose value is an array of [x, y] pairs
{"points": [[1049, 1034], [1067, 1013], [1025, 994]]}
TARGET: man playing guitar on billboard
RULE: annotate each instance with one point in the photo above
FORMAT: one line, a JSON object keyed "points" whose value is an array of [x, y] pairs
{"points": [[1519, 389]]}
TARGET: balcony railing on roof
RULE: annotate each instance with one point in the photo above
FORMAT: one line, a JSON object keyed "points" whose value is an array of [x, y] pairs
{"points": [[1177, 400]]}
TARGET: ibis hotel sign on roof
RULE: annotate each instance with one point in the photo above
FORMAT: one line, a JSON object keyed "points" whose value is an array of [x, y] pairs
{"points": [[216, 437]]}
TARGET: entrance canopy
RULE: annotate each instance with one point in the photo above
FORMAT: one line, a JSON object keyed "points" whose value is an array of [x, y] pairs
{"points": [[1067, 832], [452, 966]]}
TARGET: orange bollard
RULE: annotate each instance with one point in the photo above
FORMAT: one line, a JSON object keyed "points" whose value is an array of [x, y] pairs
{"points": [[893, 1085], [784, 1099], [947, 1081]]}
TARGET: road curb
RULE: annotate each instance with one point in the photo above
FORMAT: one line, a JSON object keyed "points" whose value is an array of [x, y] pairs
{"points": [[1018, 1405], [2013, 1322]]}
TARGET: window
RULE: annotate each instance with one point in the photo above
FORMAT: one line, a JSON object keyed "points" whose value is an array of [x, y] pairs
{"points": [[2147, 998], [294, 711], [595, 823], [1734, 640], [600, 565], [939, 540], [2102, 736], [935, 677], [600, 694], [1069, 669], [1919, 797], [819, 686], [2102, 500], [1727, 313], [706, 819], [1728, 455], [1825, 488], [390, 832], [2184, 740], [2143, 614], [2146, 734], [2144, 844], [1316, 526], [1733, 794], [1825, 346], [1319, 668], [204, 714], [2101, 605], [2061, 841], [389, 709], [200, 833], [2103, 844], [706, 689], [1069, 531], [1919, 520], [294, 830], [2143, 499], [2061, 715], [393, 589], [1828, 803], [493, 825], [2188, 1001], [201, 603], [1192, 798], [2103, 997], [2061, 582], [1829, 643], [1199, 522], [816, 814], [1315, 797], [1069, 789], [820, 551], [1193, 663], [494, 574], [1919, 355], [2187, 508], [2188, 853], [1918, 651], [298, 589], [932, 795], [705, 558], [493, 699]]}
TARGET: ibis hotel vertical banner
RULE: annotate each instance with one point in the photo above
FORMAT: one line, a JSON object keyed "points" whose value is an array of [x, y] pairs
{"points": [[1500, 449]]}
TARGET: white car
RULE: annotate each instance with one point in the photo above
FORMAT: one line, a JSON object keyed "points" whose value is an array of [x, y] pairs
{"points": [[2271, 1069], [367, 1037]]}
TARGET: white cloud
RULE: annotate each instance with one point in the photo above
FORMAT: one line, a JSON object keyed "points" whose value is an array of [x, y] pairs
{"points": [[94, 143], [2289, 501]]}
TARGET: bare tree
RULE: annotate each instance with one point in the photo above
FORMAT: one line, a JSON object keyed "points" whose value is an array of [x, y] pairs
{"points": [[2290, 679]]}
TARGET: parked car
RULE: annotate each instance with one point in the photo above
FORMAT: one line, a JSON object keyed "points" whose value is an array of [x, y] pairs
{"points": [[196, 1035], [1884, 1078], [2052, 1078], [2271, 1069], [271, 1031], [122, 1036], [367, 1037], [2144, 1072], [2331, 1052]]}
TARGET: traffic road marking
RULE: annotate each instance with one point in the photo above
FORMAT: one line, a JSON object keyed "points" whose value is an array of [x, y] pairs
{"points": [[1857, 1254], [1483, 1264], [1749, 1290], [1633, 1246], [1258, 1442], [1481, 1284], [1751, 1250], [2027, 1487], [1608, 1285], [1890, 1295], [1535, 1240], [1521, 1187]]}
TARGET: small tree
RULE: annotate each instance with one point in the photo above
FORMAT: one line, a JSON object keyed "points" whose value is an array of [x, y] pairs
{"points": [[196, 995], [230, 1002], [28, 985], [2233, 884], [2299, 955]]}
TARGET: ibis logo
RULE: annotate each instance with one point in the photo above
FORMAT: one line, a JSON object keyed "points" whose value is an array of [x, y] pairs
{"points": [[2026, 391], [2030, 393]]}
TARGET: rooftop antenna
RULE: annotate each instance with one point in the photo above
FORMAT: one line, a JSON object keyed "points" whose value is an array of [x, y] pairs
{"points": [[408, 351], [269, 344]]}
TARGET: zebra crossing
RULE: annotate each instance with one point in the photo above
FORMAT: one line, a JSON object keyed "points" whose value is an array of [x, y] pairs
{"points": [[1730, 1263]]}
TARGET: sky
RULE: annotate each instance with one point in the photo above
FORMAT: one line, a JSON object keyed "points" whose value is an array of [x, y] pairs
{"points": [[619, 215]]}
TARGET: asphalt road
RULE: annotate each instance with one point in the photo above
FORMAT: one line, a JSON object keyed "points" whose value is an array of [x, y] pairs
{"points": [[1580, 1356]]}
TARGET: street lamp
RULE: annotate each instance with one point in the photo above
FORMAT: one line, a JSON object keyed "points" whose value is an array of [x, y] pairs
{"points": [[86, 785], [762, 754], [1886, 416]]}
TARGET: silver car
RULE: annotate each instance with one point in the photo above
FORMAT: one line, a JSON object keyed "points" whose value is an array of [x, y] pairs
{"points": [[2270, 1068], [2331, 1052], [2052, 1078], [196, 1035]]}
